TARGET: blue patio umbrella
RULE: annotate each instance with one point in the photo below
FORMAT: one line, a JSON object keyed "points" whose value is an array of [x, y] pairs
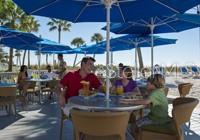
{"points": [[105, 10], [40, 46], [128, 42], [15, 37], [162, 24], [135, 41], [44, 45], [79, 50]]}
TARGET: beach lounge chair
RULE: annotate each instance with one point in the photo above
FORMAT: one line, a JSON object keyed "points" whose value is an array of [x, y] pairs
{"points": [[181, 113], [195, 72], [184, 71]]}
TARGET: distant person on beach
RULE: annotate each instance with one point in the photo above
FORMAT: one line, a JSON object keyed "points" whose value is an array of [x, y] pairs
{"points": [[22, 83], [62, 67]]}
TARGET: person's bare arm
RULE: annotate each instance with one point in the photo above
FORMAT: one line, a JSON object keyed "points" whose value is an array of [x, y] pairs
{"points": [[61, 93]]}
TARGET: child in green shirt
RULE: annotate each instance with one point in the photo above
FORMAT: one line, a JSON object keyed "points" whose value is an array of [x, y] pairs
{"points": [[157, 100]]}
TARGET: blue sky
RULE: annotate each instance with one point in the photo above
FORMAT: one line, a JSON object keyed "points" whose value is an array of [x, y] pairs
{"points": [[185, 51]]}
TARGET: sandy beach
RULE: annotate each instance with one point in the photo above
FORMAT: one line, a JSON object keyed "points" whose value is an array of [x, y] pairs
{"points": [[172, 82]]}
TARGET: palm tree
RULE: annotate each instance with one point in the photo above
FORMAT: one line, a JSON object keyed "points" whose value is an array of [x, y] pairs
{"points": [[28, 24], [6, 57], [18, 55], [11, 16], [47, 56], [1, 52], [140, 59], [97, 37], [77, 42], [59, 25]]}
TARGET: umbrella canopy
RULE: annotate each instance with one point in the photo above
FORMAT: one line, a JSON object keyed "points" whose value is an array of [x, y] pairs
{"points": [[135, 41], [105, 10], [128, 42], [165, 24], [15, 37], [44, 45], [79, 50], [121, 10], [162, 24]]}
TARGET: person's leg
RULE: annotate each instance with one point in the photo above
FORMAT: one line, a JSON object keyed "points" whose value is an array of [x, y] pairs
{"points": [[135, 125]]}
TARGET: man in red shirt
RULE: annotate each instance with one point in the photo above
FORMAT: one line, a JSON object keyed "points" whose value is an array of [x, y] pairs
{"points": [[71, 82]]}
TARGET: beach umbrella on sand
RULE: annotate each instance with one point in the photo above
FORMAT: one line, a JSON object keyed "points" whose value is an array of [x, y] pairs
{"points": [[157, 24], [104, 11]]}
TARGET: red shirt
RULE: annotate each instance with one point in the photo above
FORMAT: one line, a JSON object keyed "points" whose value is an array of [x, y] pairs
{"points": [[72, 81]]}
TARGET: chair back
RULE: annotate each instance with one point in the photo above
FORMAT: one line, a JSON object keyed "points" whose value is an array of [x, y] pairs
{"points": [[32, 85], [182, 111], [8, 91], [166, 90], [184, 89], [100, 123]]}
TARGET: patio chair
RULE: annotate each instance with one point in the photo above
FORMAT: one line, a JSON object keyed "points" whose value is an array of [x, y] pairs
{"points": [[7, 98], [184, 89], [31, 91], [100, 125], [50, 87], [181, 113], [62, 119], [166, 90]]}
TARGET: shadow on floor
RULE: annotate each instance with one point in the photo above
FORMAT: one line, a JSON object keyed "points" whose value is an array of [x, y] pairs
{"points": [[189, 134], [8, 120]]}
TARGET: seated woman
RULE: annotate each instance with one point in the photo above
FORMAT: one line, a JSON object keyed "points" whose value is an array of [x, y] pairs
{"points": [[157, 100], [125, 80], [21, 80]]}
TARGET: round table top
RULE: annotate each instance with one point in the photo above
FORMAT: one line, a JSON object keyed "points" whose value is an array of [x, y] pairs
{"points": [[7, 84], [98, 103], [38, 80]]}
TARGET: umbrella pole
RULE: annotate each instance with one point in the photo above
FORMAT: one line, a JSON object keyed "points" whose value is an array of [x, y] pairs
{"points": [[108, 4], [152, 44], [53, 60], [198, 12], [136, 72], [111, 58], [94, 55]]}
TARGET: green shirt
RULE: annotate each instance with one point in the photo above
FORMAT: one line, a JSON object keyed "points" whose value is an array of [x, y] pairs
{"points": [[159, 106]]}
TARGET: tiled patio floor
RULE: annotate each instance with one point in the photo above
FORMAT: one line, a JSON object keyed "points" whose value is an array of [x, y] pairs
{"points": [[41, 122]]}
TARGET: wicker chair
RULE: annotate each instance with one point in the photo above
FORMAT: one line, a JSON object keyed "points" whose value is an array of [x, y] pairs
{"points": [[184, 89], [7, 98], [181, 113], [100, 125], [166, 90], [51, 87], [31, 91], [62, 119]]}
